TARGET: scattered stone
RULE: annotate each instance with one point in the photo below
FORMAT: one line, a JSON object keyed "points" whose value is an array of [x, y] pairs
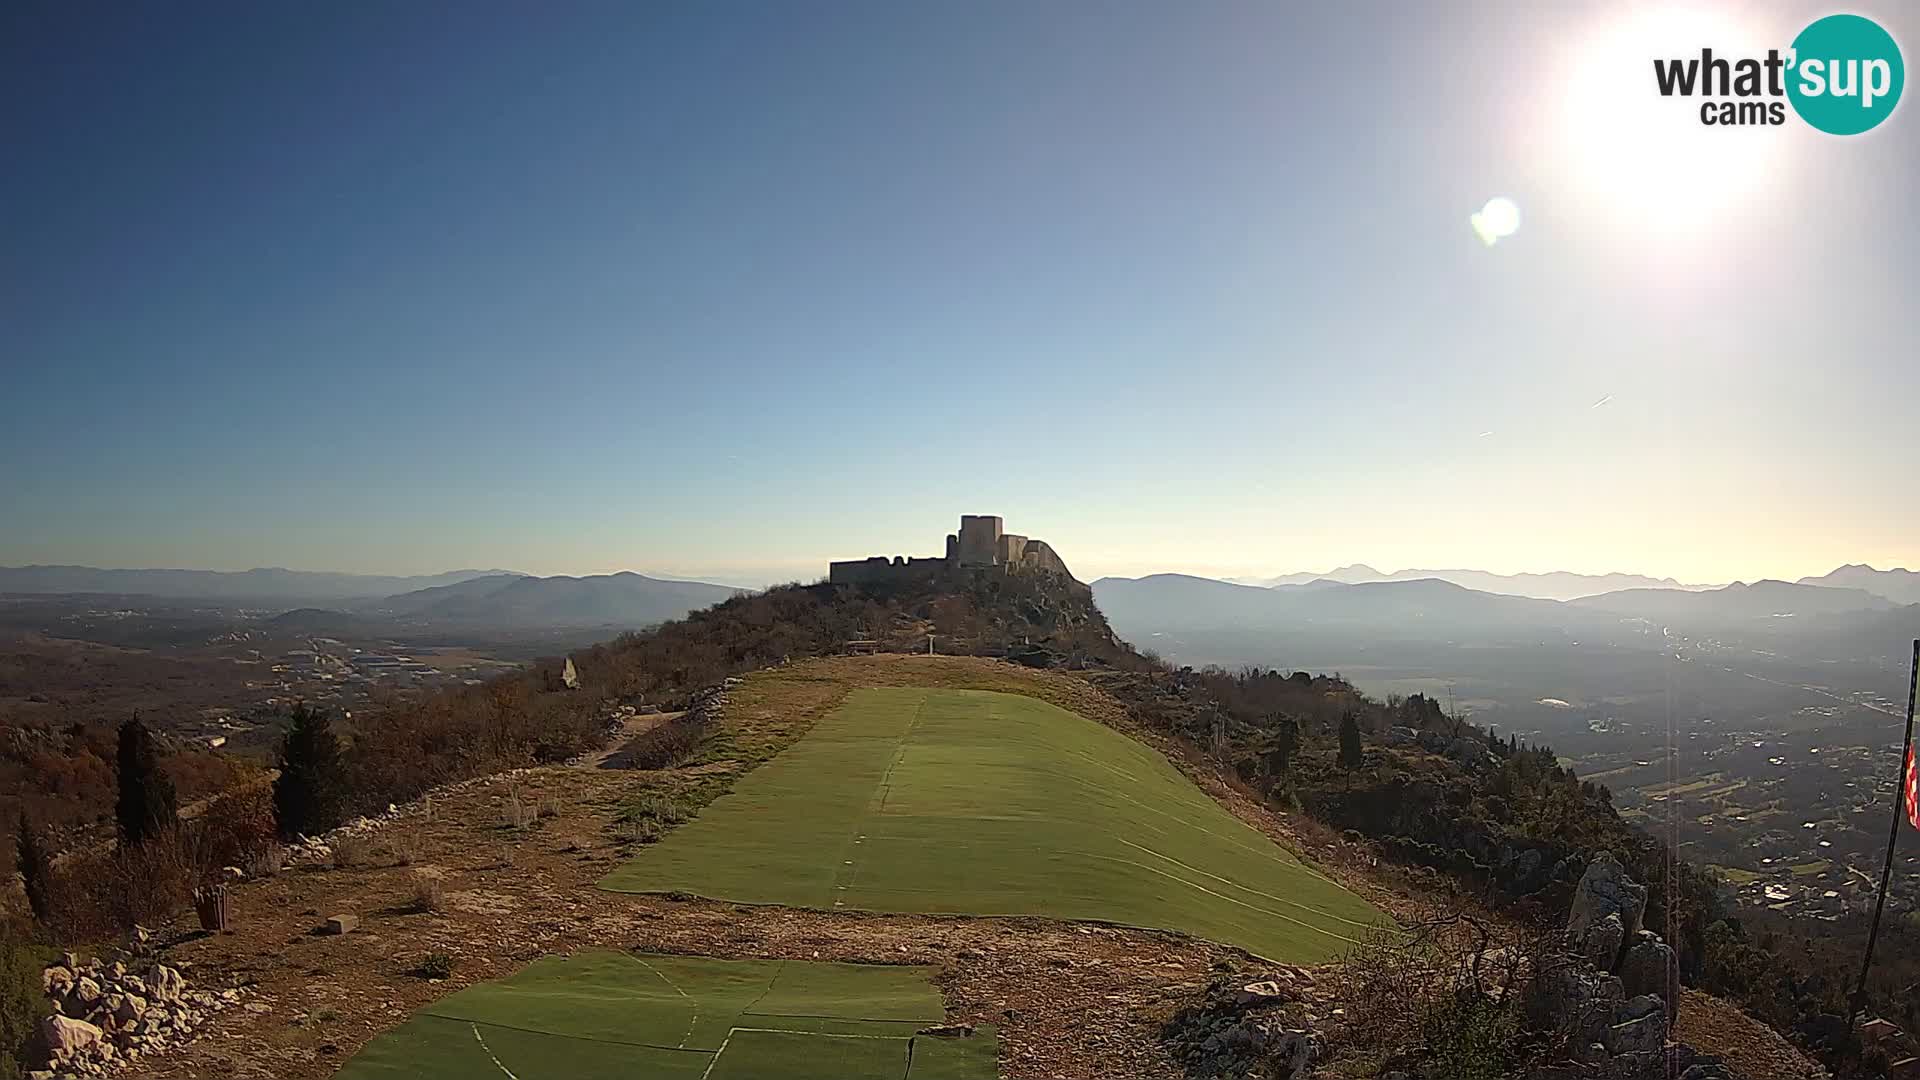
{"points": [[66, 1036]]}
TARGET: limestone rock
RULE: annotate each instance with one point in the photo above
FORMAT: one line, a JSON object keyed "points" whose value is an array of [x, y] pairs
{"points": [[1650, 967], [65, 1035], [1638, 1036], [1606, 889], [1601, 945]]}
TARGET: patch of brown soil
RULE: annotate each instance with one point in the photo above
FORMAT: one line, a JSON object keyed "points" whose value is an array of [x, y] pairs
{"points": [[1750, 1048]]}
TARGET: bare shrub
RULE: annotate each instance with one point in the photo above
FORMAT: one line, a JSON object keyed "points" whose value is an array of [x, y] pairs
{"points": [[101, 894], [515, 814], [350, 851], [1453, 986], [236, 828], [267, 862]]}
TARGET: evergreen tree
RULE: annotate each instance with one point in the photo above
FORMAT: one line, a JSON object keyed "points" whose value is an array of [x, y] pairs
{"points": [[1350, 746], [147, 806], [311, 793], [36, 868], [1286, 739]]}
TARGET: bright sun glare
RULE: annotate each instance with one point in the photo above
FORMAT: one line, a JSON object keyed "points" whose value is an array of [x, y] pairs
{"points": [[1646, 161]]}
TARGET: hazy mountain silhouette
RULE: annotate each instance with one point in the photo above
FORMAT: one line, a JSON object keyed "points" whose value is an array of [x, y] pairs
{"points": [[1556, 585], [626, 599], [1738, 601], [1900, 585], [263, 584]]}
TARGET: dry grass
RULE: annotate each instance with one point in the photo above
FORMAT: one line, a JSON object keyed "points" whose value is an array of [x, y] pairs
{"points": [[351, 851]]}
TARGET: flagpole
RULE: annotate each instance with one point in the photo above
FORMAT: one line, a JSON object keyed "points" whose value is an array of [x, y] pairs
{"points": [[1893, 838]]}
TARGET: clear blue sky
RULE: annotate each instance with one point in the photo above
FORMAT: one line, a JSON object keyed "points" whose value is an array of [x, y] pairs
{"points": [[726, 290]]}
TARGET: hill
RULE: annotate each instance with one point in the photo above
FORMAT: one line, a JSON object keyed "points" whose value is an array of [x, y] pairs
{"points": [[1172, 602], [1900, 585], [1554, 585], [1736, 603], [258, 585], [623, 599]]}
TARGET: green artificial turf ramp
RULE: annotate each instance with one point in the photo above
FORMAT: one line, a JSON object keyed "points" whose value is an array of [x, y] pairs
{"points": [[935, 1058], [978, 803], [759, 1055], [618, 1015]]}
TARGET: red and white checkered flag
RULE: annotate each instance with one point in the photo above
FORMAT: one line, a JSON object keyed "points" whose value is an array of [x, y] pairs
{"points": [[1913, 788]]}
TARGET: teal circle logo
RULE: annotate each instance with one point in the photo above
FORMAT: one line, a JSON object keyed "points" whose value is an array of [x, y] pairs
{"points": [[1846, 74]]}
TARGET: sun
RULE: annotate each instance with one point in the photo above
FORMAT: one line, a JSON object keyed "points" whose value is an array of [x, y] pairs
{"points": [[1646, 161]]}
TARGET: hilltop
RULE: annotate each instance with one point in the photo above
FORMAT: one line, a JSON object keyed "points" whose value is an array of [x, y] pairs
{"points": [[1317, 814]]}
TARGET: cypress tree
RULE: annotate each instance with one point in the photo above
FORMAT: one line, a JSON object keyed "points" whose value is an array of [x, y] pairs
{"points": [[36, 868], [1350, 747], [147, 806], [311, 793]]}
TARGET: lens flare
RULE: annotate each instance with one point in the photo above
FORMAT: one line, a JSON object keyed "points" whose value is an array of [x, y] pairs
{"points": [[1496, 221]]}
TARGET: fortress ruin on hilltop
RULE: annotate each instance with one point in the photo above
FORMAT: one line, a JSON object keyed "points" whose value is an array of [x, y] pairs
{"points": [[981, 545]]}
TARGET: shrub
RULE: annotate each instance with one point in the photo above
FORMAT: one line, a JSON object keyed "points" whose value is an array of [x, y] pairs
{"points": [[350, 851], [101, 894], [267, 862], [662, 809], [435, 965], [236, 828], [146, 805], [311, 792], [22, 1002], [35, 863], [515, 814]]}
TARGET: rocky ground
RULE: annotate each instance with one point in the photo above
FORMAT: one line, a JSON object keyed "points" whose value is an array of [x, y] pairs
{"points": [[1070, 1001]]}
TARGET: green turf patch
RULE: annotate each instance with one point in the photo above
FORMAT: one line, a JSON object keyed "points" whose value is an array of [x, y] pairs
{"points": [[607, 1014], [934, 1058], [752, 1054], [977, 803]]}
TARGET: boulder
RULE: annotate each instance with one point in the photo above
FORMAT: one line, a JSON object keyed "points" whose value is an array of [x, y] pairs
{"points": [[65, 1035], [1601, 945], [341, 924], [1257, 994], [1606, 889], [132, 1007], [1650, 967], [84, 995], [1648, 1033], [166, 984]]}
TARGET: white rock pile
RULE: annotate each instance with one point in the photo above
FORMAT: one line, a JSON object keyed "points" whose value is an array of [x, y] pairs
{"points": [[108, 1015]]}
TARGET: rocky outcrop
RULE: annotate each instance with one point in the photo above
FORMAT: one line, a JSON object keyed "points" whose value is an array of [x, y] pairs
{"points": [[1604, 890], [106, 1016], [1614, 1010], [1262, 1027]]}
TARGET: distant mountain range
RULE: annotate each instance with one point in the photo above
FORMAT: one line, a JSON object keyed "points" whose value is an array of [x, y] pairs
{"points": [[509, 600], [1736, 602], [1558, 585], [1899, 585], [1442, 609], [261, 585]]}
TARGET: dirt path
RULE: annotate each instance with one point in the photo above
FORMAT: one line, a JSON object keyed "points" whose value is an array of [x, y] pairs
{"points": [[631, 728]]}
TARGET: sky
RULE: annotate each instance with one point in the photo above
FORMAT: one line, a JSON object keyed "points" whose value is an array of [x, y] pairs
{"points": [[724, 291]]}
